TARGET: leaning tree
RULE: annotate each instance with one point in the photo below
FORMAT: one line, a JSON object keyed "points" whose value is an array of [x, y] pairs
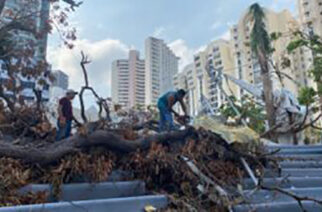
{"points": [[261, 47]]}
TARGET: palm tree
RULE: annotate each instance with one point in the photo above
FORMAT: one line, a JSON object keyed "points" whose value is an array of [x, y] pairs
{"points": [[261, 47]]}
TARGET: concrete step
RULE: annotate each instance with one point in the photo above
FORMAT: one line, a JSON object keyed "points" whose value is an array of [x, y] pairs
{"points": [[299, 157], [291, 182], [86, 191], [300, 151], [270, 196], [301, 164], [294, 172], [291, 206], [307, 172], [128, 204], [295, 147]]}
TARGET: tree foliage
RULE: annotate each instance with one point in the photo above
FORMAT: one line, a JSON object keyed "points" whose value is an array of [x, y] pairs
{"points": [[314, 44], [260, 39], [306, 96], [261, 47], [253, 113]]}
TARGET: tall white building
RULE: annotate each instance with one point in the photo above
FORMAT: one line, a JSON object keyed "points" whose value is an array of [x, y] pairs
{"points": [[161, 65], [35, 25], [27, 37], [310, 14], [218, 55], [186, 80], [247, 66], [128, 81], [61, 79]]}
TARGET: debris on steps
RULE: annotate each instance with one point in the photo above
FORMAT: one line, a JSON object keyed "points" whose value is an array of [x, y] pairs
{"points": [[195, 168]]}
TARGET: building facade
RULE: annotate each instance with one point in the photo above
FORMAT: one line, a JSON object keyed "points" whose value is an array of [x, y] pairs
{"points": [[34, 27], [246, 63], [128, 81], [61, 80], [210, 65], [186, 80], [26, 37], [161, 65], [310, 16]]}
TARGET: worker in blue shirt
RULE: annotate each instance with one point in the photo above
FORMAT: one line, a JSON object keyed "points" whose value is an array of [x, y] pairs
{"points": [[165, 105]]}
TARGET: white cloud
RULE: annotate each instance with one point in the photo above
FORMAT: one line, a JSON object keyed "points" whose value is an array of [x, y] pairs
{"points": [[159, 32], [283, 4], [225, 35], [180, 48], [200, 49], [101, 53], [216, 25]]}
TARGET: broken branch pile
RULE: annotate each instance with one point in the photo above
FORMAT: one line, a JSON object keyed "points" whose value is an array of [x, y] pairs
{"points": [[158, 159]]}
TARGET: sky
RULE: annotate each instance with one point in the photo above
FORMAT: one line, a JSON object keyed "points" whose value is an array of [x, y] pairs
{"points": [[107, 29]]}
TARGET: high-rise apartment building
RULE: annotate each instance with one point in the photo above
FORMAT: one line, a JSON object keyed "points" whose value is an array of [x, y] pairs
{"points": [[247, 67], [33, 18], [186, 80], [128, 81], [216, 60], [161, 65], [37, 13], [310, 15], [61, 79]]}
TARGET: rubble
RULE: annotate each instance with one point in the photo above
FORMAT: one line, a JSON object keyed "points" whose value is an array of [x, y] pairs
{"points": [[163, 160]]}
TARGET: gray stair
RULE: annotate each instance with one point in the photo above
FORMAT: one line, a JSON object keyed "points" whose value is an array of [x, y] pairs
{"points": [[270, 196], [291, 182], [305, 172], [301, 164], [127, 204], [304, 157], [86, 191], [290, 206], [300, 173], [101, 197]]}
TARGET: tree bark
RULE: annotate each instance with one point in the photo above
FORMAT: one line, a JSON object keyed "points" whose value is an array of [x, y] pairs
{"points": [[106, 139], [268, 88]]}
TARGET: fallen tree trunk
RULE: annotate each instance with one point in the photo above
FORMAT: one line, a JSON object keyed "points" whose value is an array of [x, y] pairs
{"points": [[106, 139]]}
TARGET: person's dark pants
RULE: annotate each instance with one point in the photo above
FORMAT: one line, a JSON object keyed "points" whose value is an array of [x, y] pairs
{"points": [[166, 119], [63, 131]]}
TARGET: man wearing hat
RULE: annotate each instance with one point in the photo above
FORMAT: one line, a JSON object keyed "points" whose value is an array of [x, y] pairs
{"points": [[65, 115]]}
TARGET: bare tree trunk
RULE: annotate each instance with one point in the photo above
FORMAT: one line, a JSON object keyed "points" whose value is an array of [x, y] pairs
{"points": [[109, 140], [268, 88]]}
